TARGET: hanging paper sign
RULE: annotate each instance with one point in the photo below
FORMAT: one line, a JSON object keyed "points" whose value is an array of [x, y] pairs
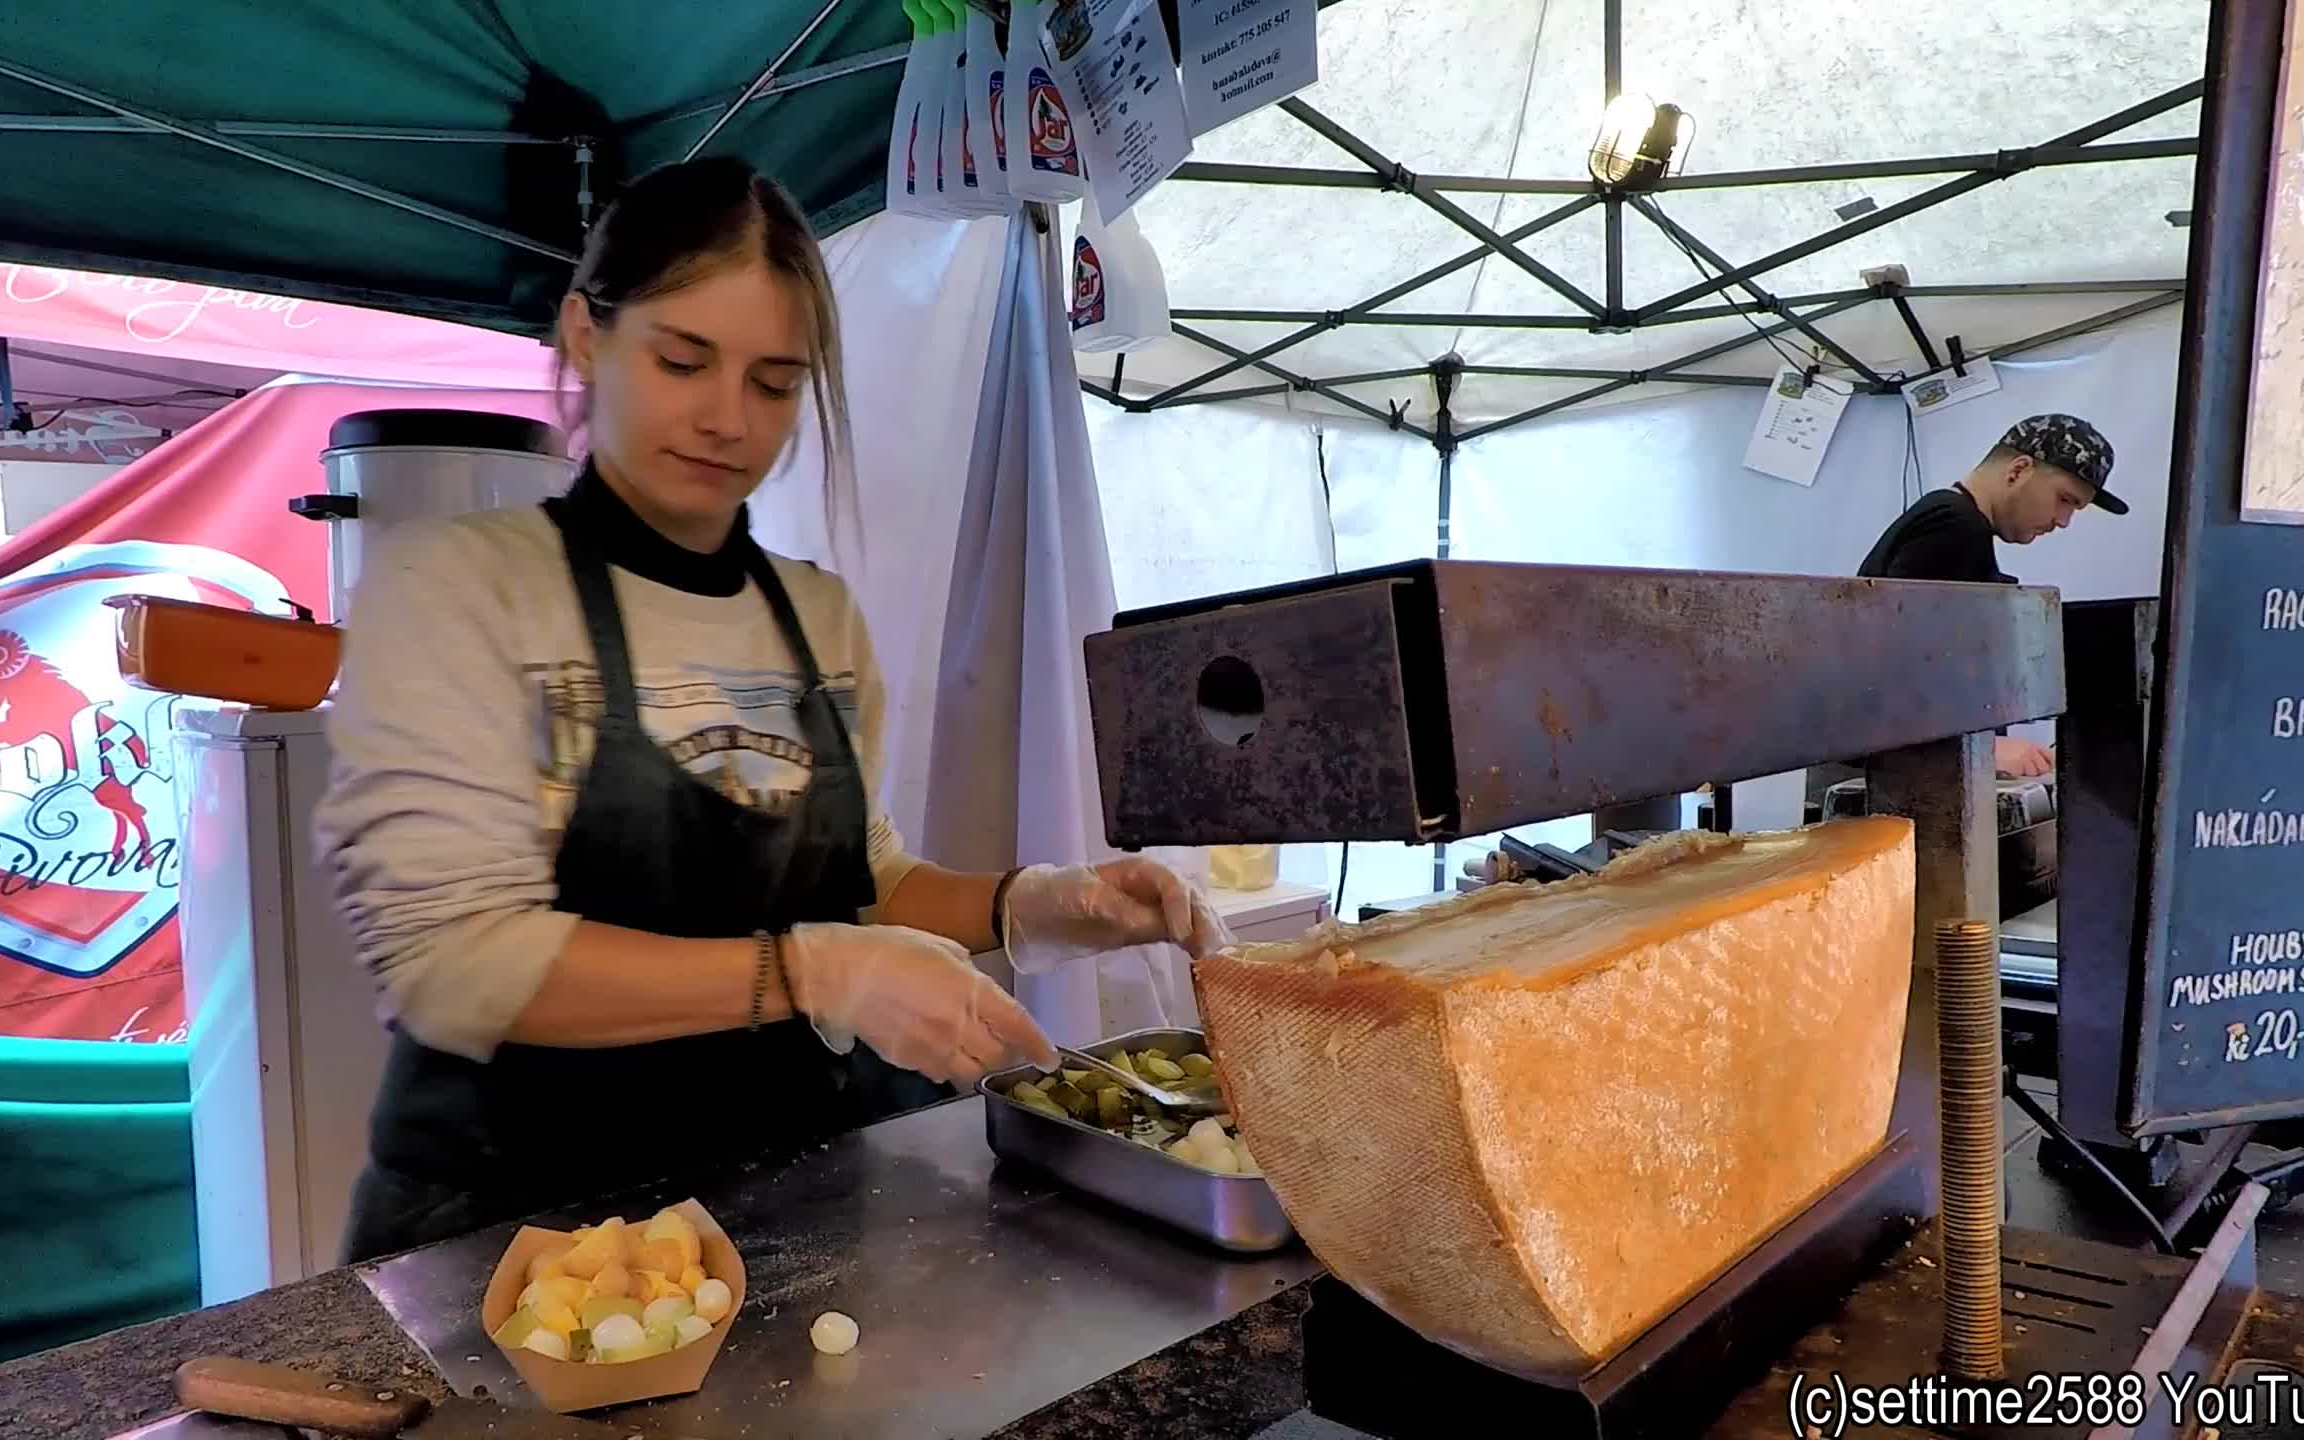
{"points": [[1946, 388], [1242, 55], [1795, 426], [1114, 65]]}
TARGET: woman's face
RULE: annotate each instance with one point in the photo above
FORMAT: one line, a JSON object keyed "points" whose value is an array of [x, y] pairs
{"points": [[694, 394]]}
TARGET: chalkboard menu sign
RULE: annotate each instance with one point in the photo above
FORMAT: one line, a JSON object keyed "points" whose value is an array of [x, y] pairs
{"points": [[2220, 1005]]}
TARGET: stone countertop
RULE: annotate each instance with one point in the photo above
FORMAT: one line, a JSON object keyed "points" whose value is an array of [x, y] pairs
{"points": [[1083, 1321], [94, 1389], [1228, 1382]]}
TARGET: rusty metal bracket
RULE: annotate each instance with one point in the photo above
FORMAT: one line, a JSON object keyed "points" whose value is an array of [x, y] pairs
{"points": [[1363, 706]]}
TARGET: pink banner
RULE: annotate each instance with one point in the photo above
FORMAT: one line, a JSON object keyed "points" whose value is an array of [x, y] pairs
{"points": [[222, 326], [88, 811]]}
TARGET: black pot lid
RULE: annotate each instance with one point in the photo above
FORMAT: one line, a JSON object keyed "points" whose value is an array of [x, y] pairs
{"points": [[446, 429]]}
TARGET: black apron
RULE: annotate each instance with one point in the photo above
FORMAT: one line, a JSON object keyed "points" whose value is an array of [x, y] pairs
{"points": [[455, 1145]]}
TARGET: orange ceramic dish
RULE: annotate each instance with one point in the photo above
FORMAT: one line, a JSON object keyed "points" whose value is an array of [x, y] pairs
{"points": [[187, 648]]}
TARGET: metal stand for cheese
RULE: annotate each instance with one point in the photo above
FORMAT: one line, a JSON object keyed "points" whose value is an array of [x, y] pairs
{"points": [[1445, 698]]}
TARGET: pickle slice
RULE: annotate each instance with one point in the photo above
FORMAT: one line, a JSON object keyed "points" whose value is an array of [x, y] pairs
{"points": [[1068, 1096], [516, 1329], [1111, 1107], [1196, 1064], [600, 1307], [1035, 1101], [1157, 1068]]}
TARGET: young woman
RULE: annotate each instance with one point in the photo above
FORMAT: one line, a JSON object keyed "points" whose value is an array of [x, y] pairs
{"points": [[601, 819]]}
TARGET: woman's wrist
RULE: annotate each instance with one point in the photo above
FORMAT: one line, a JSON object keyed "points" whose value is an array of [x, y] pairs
{"points": [[1000, 907], [792, 971]]}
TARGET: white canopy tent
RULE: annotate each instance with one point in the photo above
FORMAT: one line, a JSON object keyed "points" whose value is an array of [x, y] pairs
{"points": [[1904, 120], [2066, 271]]}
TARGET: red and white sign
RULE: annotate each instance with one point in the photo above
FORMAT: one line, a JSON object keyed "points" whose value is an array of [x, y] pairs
{"points": [[90, 849], [90, 854]]}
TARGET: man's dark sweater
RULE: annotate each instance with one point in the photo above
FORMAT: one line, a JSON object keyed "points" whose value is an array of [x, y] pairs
{"points": [[1942, 537]]}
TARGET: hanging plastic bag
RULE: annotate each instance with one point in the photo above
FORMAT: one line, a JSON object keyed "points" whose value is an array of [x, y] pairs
{"points": [[911, 168], [1046, 164], [951, 109], [942, 100], [984, 141], [1119, 292], [964, 193]]}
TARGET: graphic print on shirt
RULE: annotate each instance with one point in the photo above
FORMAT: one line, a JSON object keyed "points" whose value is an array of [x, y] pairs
{"points": [[737, 731]]}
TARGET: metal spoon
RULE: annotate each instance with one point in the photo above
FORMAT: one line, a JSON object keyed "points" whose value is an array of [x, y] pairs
{"points": [[1194, 1095]]}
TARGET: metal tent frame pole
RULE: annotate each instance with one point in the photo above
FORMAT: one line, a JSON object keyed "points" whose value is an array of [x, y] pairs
{"points": [[1664, 372], [782, 84], [1768, 303], [2162, 293], [2038, 157], [761, 82], [1460, 319], [1330, 321], [2075, 147], [1295, 381], [1399, 177], [336, 180], [2011, 162], [1612, 85]]}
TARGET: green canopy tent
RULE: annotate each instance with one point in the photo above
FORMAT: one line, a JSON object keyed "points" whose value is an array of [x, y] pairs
{"points": [[438, 157]]}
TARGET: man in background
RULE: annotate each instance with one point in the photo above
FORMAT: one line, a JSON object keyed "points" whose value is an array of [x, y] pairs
{"points": [[2044, 471]]}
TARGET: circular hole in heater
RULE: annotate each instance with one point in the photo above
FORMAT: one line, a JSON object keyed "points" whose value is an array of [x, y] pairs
{"points": [[1231, 700]]}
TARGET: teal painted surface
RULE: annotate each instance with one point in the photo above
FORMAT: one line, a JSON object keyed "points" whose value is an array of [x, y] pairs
{"points": [[98, 1230]]}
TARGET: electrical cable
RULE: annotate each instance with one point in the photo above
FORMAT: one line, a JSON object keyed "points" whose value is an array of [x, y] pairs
{"points": [[1775, 343], [1335, 567], [2280, 1177], [2161, 1239], [1916, 482]]}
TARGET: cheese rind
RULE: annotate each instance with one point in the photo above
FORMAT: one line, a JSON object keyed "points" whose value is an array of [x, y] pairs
{"points": [[1530, 1121]]}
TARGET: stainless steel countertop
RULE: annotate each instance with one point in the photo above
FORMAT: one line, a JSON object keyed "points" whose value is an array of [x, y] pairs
{"points": [[2037, 925], [981, 1297], [2028, 947]]}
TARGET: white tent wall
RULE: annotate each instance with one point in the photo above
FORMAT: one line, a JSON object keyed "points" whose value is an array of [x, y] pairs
{"points": [[1662, 483], [916, 303], [1199, 501]]}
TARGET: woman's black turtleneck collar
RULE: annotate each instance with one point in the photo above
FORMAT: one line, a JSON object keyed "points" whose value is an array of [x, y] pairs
{"points": [[631, 543]]}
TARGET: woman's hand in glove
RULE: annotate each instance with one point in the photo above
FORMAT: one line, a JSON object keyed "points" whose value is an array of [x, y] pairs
{"points": [[1057, 914], [913, 997]]}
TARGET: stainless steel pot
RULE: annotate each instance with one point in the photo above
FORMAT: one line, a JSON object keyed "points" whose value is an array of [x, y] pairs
{"points": [[388, 467]]}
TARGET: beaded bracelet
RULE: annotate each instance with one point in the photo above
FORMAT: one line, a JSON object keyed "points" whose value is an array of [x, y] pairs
{"points": [[767, 957], [1000, 907]]}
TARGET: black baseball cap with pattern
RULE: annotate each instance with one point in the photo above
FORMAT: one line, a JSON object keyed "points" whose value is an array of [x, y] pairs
{"points": [[2072, 445]]}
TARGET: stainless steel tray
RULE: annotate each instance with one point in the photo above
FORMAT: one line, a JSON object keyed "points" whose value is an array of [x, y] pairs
{"points": [[1233, 1212]]}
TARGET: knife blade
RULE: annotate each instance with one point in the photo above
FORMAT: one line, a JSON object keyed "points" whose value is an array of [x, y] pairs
{"points": [[284, 1401]]}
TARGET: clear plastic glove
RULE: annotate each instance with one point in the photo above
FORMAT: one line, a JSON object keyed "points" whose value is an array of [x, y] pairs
{"points": [[1058, 914], [913, 997]]}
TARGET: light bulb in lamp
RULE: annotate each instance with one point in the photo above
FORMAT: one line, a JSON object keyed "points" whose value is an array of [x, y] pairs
{"points": [[1640, 142]]}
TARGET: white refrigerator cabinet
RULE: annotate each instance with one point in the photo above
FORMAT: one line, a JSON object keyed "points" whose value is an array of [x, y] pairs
{"points": [[286, 1048]]}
